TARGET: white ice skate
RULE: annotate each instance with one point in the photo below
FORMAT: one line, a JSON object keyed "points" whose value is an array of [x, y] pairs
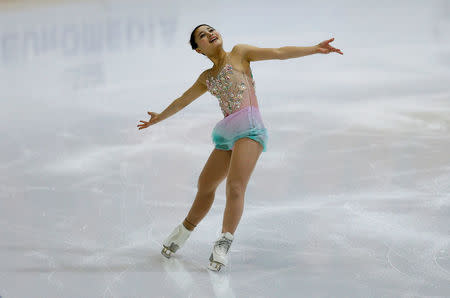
{"points": [[219, 255], [175, 240]]}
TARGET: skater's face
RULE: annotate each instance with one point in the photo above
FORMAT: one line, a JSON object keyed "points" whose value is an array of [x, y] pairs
{"points": [[208, 40]]}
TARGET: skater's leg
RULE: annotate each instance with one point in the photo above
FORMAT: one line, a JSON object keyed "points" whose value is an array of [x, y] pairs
{"points": [[213, 173], [243, 160]]}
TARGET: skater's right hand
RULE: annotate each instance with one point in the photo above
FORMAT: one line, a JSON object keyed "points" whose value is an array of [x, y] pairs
{"points": [[154, 118]]}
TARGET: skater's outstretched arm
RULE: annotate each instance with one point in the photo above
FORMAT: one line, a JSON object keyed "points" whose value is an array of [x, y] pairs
{"points": [[252, 53], [195, 91]]}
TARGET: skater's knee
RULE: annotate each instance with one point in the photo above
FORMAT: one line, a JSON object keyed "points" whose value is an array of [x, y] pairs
{"points": [[235, 189]]}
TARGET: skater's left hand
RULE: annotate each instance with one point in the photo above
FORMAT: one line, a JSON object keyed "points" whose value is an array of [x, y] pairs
{"points": [[325, 48]]}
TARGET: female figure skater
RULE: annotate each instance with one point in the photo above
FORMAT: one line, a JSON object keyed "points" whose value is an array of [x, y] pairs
{"points": [[239, 137]]}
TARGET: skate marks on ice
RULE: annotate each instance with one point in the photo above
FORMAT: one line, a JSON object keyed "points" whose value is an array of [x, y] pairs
{"points": [[442, 260], [220, 282], [181, 276], [177, 272], [401, 261], [378, 229], [415, 247]]}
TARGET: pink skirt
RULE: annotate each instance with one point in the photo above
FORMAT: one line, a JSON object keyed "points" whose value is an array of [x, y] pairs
{"points": [[245, 123]]}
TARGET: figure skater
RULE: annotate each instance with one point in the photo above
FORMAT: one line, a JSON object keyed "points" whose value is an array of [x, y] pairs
{"points": [[239, 138]]}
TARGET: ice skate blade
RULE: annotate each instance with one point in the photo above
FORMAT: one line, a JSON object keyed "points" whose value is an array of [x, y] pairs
{"points": [[214, 266], [166, 252]]}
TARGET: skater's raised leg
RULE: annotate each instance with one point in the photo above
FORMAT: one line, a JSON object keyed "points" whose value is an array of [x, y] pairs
{"points": [[175, 240], [213, 173]]}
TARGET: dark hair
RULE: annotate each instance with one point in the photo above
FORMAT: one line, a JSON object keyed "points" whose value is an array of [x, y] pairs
{"points": [[194, 45]]}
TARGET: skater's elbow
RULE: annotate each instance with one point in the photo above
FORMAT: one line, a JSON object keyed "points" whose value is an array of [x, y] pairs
{"points": [[194, 92]]}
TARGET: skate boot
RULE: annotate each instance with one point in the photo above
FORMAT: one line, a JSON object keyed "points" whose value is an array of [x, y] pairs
{"points": [[219, 256], [175, 240]]}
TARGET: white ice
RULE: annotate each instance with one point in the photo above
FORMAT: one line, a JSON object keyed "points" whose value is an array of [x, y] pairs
{"points": [[351, 199]]}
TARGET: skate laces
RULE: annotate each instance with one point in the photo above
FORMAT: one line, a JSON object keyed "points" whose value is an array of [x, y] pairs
{"points": [[223, 244]]}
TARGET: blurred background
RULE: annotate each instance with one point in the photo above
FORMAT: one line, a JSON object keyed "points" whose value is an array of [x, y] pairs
{"points": [[351, 199]]}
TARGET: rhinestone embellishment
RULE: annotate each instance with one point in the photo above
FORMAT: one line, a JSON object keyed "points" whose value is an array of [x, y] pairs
{"points": [[228, 93]]}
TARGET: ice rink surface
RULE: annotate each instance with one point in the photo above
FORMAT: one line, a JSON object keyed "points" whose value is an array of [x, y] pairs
{"points": [[352, 198]]}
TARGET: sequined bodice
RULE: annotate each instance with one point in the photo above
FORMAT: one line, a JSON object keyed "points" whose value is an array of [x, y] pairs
{"points": [[234, 90]]}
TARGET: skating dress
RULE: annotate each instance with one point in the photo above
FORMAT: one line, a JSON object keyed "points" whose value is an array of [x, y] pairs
{"points": [[235, 91]]}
